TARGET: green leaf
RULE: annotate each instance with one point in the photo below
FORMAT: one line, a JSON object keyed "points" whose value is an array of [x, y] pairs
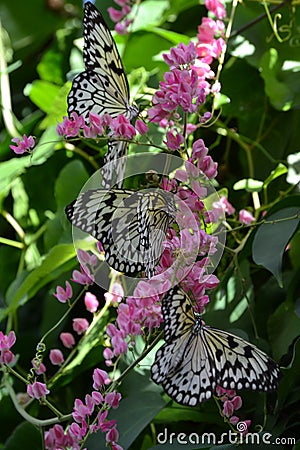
{"points": [[281, 169], [51, 267], [279, 93], [42, 94], [271, 239], [249, 185], [25, 437], [69, 182]]}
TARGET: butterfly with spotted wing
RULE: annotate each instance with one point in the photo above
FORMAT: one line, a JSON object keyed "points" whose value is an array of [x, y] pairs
{"points": [[131, 225], [102, 88], [196, 358]]}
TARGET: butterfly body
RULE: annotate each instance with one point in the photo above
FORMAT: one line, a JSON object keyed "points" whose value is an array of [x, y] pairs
{"points": [[130, 225], [196, 358], [102, 88]]}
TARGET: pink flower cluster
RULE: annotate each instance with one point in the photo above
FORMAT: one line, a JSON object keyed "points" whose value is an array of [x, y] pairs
{"points": [[25, 145], [136, 313], [98, 126], [120, 16], [210, 46], [6, 342], [89, 417], [231, 403], [180, 87]]}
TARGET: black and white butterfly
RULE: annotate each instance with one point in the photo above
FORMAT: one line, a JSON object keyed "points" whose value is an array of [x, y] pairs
{"points": [[197, 358], [103, 87], [131, 225]]}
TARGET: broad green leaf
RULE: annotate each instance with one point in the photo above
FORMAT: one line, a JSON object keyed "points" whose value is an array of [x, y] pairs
{"points": [[277, 172], [149, 14], [51, 267], [249, 185], [25, 437], [271, 239], [69, 182], [171, 36], [279, 93], [42, 94]]}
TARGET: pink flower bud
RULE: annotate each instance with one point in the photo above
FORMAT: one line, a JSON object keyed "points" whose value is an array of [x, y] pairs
{"points": [[245, 217], [80, 325], [56, 357], [91, 302], [67, 339]]}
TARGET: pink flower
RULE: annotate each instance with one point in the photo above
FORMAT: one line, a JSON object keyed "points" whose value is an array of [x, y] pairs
{"points": [[70, 127], [67, 339], [122, 28], [7, 341], [115, 14], [113, 399], [83, 277], [22, 146], [91, 302], [7, 357], [181, 55], [56, 357], [97, 397], [227, 392], [63, 295], [95, 128], [38, 366], [100, 378], [230, 406], [141, 127], [227, 207], [80, 325], [37, 390], [104, 424], [216, 7], [120, 126], [115, 295], [174, 140], [76, 431], [245, 217], [80, 411], [112, 435]]}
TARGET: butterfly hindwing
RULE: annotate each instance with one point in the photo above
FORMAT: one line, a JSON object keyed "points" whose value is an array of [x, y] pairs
{"points": [[112, 218], [196, 358]]}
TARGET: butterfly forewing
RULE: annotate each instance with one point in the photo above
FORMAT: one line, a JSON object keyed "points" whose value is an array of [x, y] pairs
{"points": [[101, 53], [197, 358], [103, 87]]}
